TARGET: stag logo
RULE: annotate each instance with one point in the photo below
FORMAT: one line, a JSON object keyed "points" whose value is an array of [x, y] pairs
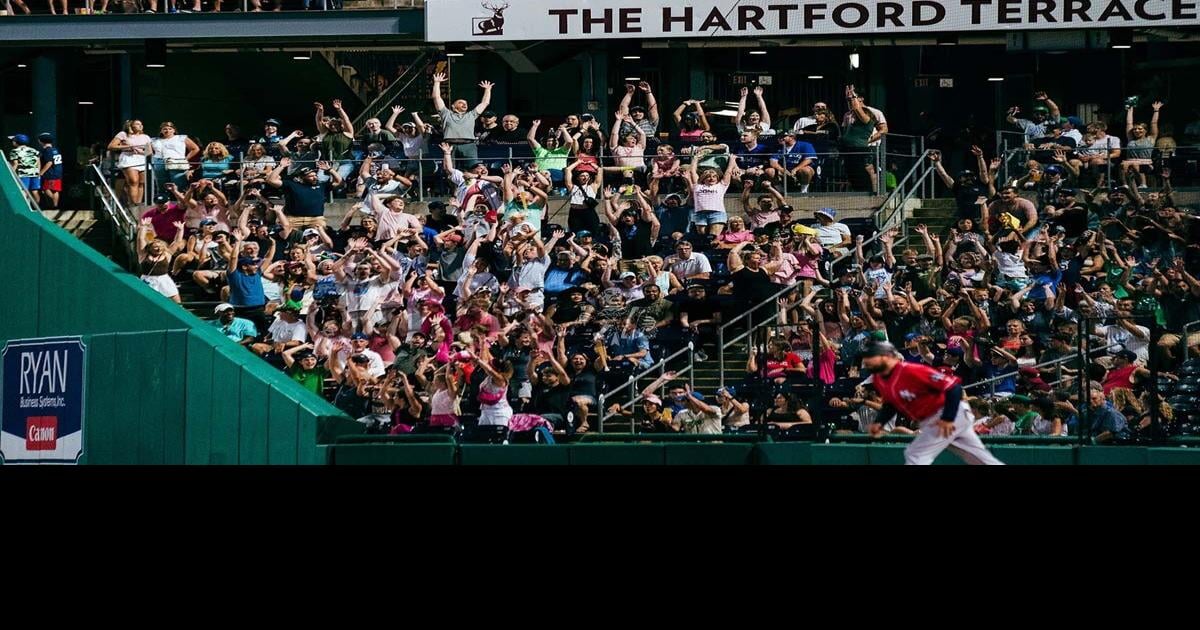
{"points": [[489, 25]]}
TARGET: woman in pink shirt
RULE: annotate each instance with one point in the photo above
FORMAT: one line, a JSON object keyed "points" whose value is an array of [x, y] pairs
{"points": [[629, 153], [735, 232]]}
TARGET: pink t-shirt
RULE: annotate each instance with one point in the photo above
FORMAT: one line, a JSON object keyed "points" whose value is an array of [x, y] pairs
{"points": [[390, 223], [629, 157], [762, 219], [745, 236]]}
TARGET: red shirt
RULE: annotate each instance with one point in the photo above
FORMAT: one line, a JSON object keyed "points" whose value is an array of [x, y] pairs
{"points": [[777, 368], [914, 389], [1119, 377], [162, 222]]}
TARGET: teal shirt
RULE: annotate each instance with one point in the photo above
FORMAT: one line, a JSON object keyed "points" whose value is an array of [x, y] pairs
{"points": [[238, 329]]}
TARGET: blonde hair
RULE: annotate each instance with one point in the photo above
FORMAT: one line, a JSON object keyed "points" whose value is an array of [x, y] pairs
{"points": [[222, 150]]}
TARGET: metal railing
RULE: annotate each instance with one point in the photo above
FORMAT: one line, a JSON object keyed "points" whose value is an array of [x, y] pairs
{"points": [[125, 224], [1057, 363], [12, 174], [1184, 341], [890, 214], [636, 395]]}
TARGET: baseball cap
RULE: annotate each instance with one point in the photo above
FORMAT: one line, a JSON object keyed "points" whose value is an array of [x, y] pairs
{"points": [[1069, 192], [583, 234], [1029, 370], [360, 358], [628, 274], [273, 121], [790, 132], [20, 137], [46, 137], [208, 221], [359, 335], [1127, 355], [955, 351], [829, 212], [878, 348], [1041, 108], [1020, 398], [651, 398], [436, 204], [488, 114], [246, 260], [222, 307], [1054, 169], [911, 336], [696, 285], [310, 232], [453, 238], [304, 354], [162, 198], [1075, 121]]}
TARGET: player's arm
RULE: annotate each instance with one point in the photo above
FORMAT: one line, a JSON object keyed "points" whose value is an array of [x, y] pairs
{"points": [[885, 415]]}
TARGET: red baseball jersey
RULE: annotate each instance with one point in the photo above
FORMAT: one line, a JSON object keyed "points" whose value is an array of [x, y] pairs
{"points": [[914, 389]]}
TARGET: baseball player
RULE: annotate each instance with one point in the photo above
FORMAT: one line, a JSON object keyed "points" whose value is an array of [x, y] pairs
{"points": [[928, 397]]}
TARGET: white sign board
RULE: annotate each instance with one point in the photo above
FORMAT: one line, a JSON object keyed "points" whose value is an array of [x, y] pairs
{"points": [[491, 20]]}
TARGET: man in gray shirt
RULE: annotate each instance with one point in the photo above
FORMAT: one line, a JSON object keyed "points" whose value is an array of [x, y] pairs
{"points": [[530, 272], [458, 120]]}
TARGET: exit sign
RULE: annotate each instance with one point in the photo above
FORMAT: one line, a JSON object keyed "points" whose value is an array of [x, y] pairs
{"points": [[946, 83], [920, 82]]}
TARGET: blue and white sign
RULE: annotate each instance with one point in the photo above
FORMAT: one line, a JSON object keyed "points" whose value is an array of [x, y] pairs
{"points": [[41, 420]]}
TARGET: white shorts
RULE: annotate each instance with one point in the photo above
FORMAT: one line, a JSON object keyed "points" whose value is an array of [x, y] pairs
{"points": [[163, 284], [135, 162]]}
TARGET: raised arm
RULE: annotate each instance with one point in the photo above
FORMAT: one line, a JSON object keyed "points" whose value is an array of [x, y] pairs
{"points": [[438, 103], [703, 117], [531, 137], [486, 101], [762, 106], [651, 102], [391, 121]]}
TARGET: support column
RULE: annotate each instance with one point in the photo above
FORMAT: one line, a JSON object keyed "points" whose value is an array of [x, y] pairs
{"points": [[45, 96], [124, 87]]}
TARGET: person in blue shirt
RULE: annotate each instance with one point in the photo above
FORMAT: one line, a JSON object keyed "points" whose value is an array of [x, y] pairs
{"points": [[1107, 424], [796, 158], [752, 158], [52, 170], [235, 328]]}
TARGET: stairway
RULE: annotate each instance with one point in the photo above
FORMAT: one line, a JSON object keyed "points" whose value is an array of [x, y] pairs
{"points": [[87, 227]]}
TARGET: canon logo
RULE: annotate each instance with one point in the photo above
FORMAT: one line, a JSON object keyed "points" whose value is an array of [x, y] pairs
{"points": [[41, 433]]}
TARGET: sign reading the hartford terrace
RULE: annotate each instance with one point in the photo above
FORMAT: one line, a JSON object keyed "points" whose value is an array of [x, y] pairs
{"points": [[41, 418], [483, 20]]}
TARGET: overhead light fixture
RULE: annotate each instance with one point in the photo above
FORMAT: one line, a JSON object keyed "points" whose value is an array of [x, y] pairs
{"points": [[855, 60], [302, 56], [633, 78], [947, 40], [816, 76], [156, 53], [631, 57], [21, 65], [1121, 39], [995, 79], [455, 50], [758, 52], [86, 103]]}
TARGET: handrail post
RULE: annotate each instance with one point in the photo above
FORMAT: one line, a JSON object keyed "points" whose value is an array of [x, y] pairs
{"points": [[721, 354], [421, 175]]}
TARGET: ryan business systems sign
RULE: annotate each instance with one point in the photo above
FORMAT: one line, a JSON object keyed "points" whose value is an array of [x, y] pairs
{"points": [[484, 20], [41, 416]]}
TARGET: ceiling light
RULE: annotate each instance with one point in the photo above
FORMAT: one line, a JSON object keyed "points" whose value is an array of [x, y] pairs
{"points": [[21, 65], [947, 40], [633, 78], [1121, 39], [758, 52], [302, 57], [995, 78], [855, 60], [816, 76], [631, 57], [86, 103]]}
